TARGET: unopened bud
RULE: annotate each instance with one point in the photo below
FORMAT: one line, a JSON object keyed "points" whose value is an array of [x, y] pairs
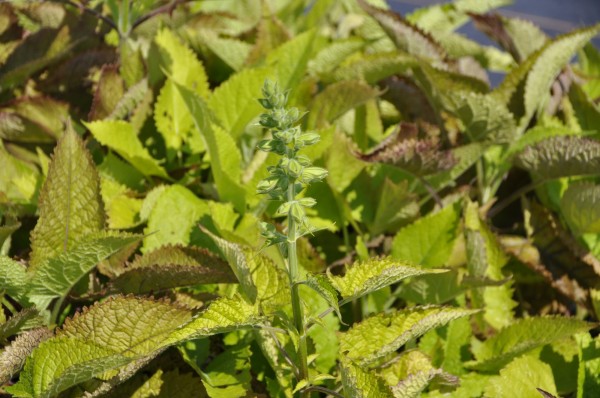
{"points": [[312, 174]]}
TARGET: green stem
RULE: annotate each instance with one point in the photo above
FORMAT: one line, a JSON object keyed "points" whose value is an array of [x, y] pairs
{"points": [[294, 287], [56, 310]]}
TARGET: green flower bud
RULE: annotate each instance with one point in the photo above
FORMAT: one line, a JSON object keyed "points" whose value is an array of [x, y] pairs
{"points": [[309, 138], [294, 168], [267, 120], [272, 146], [307, 202], [312, 174], [267, 185], [303, 160]]}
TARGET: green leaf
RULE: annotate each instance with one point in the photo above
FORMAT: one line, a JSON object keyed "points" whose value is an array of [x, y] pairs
{"points": [[321, 285], [120, 136], [25, 319], [561, 156], [522, 378], [552, 59], [580, 205], [172, 266], [372, 68], [337, 99], [13, 279], [261, 281], [522, 336], [360, 383], [225, 157], [33, 119], [175, 211], [232, 51], [13, 356], [122, 207], [588, 380], [342, 166], [486, 259], [376, 337], [223, 315], [406, 36], [396, 206], [429, 241], [330, 57], [70, 206], [162, 384], [228, 375], [109, 91], [55, 276], [373, 274]]}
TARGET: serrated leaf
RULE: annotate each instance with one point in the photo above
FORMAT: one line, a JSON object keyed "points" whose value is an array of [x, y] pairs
{"points": [[522, 336], [261, 281], [588, 382], [166, 226], [580, 205], [223, 315], [405, 35], [373, 274], [13, 279], [429, 241], [228, 375], [25, 319], [337, 99], [70, 206], [330, 57], [109, 91], [57, 275], [162, 384], [376, 337], [225, 157], [321, 285], [408, 149], [14, 355], [372, 68], [360, 383], [552, 59], [232, 51], [172, 266], [561, 156], [120, 136], [523, 377]]}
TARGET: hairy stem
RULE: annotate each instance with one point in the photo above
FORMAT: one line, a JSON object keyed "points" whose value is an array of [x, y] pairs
{"points": [[296, 304]]}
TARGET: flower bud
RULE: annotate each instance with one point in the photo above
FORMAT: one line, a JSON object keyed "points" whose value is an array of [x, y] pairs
{"points": [[312, 174], [309, 138], [267, 185], [307, 202]]}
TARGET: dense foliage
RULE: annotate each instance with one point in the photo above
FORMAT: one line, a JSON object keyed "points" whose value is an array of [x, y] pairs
{"points": [[376, 220]]}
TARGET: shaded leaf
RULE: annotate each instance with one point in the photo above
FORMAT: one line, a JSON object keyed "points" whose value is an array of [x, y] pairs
{"points": [[23, 320], [14, 355], [580, 205], [70, 206], [13, 279], [36, 119], [321, 285], [588, 382], [109, 91], [525, 377]]}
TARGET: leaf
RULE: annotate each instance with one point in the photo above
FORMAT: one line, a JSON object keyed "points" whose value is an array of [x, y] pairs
{"points": [[373, 274], [561, 156], [261, 281], [372, 68], [429, 241], [523, 377], [57, 275], [580, 205], [552, 59], [172, 266], [376, 337], [486, 259], [336, 100], [223, 315], [120, 136], [234, 102], [588, 382], [522, 336], [228, 375], [321, 285], [122, 207], [161, 384], [360, 383], [407, 149], [36, 119], [23, 320], [329, 58], [14, 355], [70, 206], [166, 226], [109, 91], [225, 156], [232, 51], [341, 165], [20, 180], [13, 279], [406, 36]]}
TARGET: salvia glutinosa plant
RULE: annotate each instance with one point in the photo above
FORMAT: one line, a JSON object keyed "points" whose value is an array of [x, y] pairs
{"points": [[453, 250]]}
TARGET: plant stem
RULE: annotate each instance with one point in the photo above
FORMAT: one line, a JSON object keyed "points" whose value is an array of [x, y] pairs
{"points": [[294, 287]]}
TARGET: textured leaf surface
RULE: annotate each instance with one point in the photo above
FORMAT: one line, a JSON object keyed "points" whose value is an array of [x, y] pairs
{"points": [[70, 205], [588, 377], [373, 274], [321, 285], [382, 334], [25, 319], [223, 315], [523, 335], [173, 266], [580, 205], [56, 276], [522, 378], [13, 278], [225, 157], [120, 136], [14, 355], [429, 240], [162, 384], [360, 383], [561, 156]]}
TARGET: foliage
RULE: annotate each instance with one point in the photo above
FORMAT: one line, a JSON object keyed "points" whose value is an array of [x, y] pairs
{"points": [[421, 231]]}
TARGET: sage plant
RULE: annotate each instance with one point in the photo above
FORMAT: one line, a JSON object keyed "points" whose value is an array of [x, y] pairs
{"points": [[286, 180]]}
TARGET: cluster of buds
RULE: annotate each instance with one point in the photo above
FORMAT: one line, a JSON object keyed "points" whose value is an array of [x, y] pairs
{"points": [[293, 172]]}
